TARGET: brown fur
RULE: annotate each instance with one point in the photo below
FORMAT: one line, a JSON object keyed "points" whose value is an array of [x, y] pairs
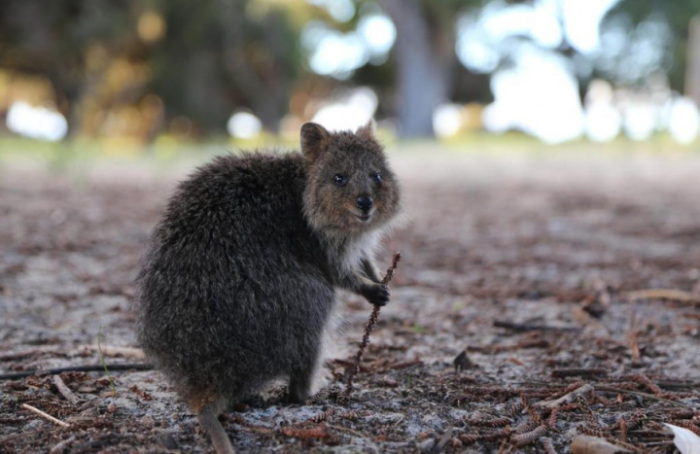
{"points": [[238, 284]]}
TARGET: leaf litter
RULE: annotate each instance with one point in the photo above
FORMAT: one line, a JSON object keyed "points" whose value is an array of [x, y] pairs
{"points": [[539, 301]]}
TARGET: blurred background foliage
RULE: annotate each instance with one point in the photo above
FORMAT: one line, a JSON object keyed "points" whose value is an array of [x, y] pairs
{"points": [[176, 70]]}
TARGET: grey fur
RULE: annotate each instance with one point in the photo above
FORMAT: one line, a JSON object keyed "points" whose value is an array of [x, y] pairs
{"points": [[240, 277]]}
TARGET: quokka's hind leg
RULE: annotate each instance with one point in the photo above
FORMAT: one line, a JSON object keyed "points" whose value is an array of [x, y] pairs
{"points": [[208, 419]]}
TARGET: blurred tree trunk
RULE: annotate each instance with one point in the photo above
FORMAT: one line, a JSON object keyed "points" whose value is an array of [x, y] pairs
{"points": [[424, 54], [265, 83], [67, 95], [70, 92], [692, 75]]}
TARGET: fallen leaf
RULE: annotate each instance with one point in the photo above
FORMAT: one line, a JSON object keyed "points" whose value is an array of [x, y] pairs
{"points": [[685, 440]]}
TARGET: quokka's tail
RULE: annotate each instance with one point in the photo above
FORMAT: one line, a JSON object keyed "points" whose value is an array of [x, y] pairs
{"points": [[208, 419]]}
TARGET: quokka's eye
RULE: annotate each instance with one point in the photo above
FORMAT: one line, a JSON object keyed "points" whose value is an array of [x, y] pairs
{"points": [[340, 180], [377, 177]]}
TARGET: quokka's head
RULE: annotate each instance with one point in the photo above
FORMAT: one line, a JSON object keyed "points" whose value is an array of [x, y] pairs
{"points": [[350, 188]]}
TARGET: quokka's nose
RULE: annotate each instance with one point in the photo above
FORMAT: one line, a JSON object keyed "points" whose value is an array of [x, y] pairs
{"points": [[364, 203]]}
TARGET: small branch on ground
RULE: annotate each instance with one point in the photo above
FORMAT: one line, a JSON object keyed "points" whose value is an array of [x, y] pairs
{"points": [[13, 356], [613, 389], [566, 399], [60, 370], [368, 330], [60, 447], [110, 350], [664, 294], [525, 343], [64, 390], [523, 327], [107, 350], [45, 415], [632, 339], [576, 372]]}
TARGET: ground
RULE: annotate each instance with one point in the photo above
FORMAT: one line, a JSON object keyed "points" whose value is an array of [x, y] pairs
{"points": [[517, 287]]}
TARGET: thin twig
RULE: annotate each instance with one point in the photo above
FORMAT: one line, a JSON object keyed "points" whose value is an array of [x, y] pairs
{"points": [[614, 389], [523, 327], [61, 446], [368, 330], [664, 293], [46, 415], [60, 370], [568, 398], [632, 338], [579, 372], [111, 350], [526, 343], [63, 389], [10, 356]]}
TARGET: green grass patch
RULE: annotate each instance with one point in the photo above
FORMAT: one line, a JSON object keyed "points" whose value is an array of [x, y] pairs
{"points": [[102, 360]]}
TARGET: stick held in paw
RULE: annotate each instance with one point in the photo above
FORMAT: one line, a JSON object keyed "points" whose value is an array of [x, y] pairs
{"points": [[368, 330]]}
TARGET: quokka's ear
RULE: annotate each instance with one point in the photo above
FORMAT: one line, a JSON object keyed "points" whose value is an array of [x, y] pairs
{"points": [[367, 130], [314, 140]]}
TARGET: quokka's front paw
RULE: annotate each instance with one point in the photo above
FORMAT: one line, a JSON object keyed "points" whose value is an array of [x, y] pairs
{"points": [[377, 294]]}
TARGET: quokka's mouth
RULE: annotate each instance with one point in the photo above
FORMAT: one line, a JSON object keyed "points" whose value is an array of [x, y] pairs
{"points": [[364, 216]]}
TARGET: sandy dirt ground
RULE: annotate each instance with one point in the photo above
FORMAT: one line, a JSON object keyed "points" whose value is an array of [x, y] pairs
{"points": [[539, 298]]}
